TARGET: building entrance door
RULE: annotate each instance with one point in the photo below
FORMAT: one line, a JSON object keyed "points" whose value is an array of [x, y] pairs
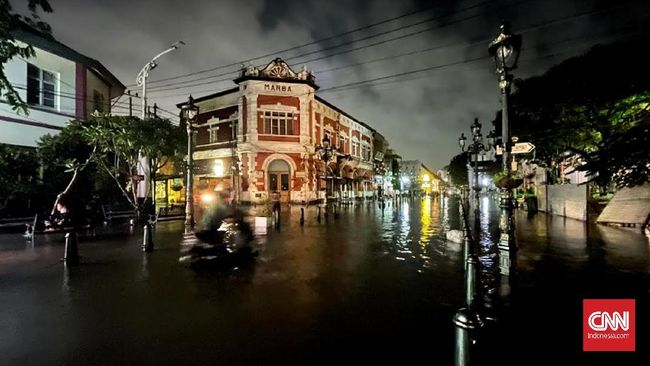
{"points": [[279, 187]]}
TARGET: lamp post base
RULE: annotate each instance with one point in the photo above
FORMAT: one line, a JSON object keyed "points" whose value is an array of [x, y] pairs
{"points": [[507, 245], [189, 225], [466, 323]]}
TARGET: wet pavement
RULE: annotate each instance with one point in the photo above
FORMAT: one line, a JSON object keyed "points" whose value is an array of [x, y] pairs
{"points": [[365, 286]]}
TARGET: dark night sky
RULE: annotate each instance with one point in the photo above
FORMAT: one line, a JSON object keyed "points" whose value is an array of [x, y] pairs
{"points": [[421, 114]]}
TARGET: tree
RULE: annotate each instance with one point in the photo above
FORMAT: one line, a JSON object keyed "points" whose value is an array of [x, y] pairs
{"points": [[458, 170], [581, 105], [626, 153], [9, 48], [163, 143], [67, 158], [120, 143], [18, 176]]}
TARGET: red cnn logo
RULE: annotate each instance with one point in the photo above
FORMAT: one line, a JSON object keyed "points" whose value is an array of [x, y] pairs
{"points": [[608, 325]]}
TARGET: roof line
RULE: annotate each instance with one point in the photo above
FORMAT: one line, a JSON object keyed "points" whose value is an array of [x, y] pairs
{"points": [[210, 96], [47, 42], [320, 99]]}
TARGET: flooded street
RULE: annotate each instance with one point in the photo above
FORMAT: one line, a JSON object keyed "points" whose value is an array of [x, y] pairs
{"points": [[368, 286]]}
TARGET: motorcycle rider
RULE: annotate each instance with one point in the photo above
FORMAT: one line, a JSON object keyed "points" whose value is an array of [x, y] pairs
{"points": [[222, 210]]}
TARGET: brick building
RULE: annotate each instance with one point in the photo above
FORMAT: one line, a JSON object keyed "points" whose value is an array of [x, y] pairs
{"points": [[262, 138]]}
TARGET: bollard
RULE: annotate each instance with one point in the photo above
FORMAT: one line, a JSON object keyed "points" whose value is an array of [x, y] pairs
{"points": [[302, 216], [276, 215], [470, 279], [466, 321], [336, 214], [71, 255], [147, 240], [131, 222], [318, 216]]}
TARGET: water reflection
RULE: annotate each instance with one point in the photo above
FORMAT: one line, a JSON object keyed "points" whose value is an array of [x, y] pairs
{"points": [[415, 234], [326, 286]]}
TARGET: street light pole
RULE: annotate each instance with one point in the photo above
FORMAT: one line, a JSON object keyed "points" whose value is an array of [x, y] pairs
{"points": [[476, 148], [325, 152], [189, 112], [505, 50], [467, 320], [141, 79]]}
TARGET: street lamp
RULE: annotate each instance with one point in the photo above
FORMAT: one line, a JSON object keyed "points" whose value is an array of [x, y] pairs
{"points": [[467, 320], [141, 79], [505, 50], [476, 148], [189, 112], [325, 153]]}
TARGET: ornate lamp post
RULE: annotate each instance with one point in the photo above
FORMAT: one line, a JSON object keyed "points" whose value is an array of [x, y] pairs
{"points": [[505, 50], [189, 112], [476, 148], [325, 153], [467, 320]]}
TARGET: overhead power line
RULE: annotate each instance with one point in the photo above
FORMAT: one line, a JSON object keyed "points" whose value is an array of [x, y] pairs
{"points": [[170, 86], [482, 42], [523, 30], [270, 54]]}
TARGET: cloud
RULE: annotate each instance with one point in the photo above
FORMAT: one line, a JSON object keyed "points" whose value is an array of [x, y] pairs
{"points": [[421, 114]]}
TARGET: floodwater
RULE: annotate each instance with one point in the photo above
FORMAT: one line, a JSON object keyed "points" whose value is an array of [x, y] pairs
{"points": [[367, 286]]}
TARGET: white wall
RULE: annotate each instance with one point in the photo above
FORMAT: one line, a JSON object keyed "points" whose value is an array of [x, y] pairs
{"points": [[16, 71], [94, 83], [568, 200]]}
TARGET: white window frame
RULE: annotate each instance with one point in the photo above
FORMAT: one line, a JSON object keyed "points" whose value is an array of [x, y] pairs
{"points": [[213, 128], [356, 147], [213, 134], [365, 151], [280, 122], [41, 83]]}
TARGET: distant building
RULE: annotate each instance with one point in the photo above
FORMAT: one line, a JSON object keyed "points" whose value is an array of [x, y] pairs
{"points": [[59, 84], [417, 179], [261, 139]]}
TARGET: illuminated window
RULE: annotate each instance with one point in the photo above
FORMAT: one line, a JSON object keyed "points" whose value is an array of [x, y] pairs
{"points": [[218, 168], [278, 123]]}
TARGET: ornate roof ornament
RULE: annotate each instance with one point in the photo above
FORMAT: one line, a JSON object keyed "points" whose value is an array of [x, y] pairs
{"points": [[277, 69], [249, 70]]}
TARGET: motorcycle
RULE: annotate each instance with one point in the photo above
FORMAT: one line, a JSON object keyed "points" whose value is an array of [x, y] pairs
{"points": [[228, 246]]}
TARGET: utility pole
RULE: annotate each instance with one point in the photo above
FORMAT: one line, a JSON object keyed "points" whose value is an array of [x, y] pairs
{"points": [[128, 92]]}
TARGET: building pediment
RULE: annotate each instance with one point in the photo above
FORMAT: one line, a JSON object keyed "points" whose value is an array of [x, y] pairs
{"points": [[276, 70]]}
